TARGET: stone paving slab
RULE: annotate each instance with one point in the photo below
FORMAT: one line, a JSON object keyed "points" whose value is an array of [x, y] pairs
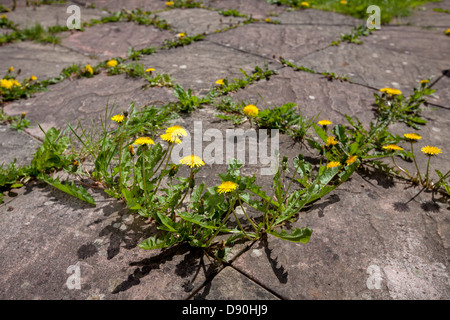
{"points": [[197, 21], [50, 15], [199, 65], [425, 16], [414, 41], [85, 99], [53, 231], [229, 284], [292, 42], [111, 40], [117, 5], [317, 17], [373, 66], [442, 95], [313, 93], [16, 145], [369, 242], [258, 9], [42, 61]]}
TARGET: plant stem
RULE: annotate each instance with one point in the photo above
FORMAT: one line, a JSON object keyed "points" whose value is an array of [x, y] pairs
{"points": [[428, 167], [143, 176], [239, 223], [223, 222], [248, 218], [165, 167], [415, 163], [120, 163], [401, 169]]}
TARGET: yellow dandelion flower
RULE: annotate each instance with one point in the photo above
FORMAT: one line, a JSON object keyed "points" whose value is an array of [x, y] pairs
{"points": [[89, 69], [447, 32], [391, 91], [11, 69], [331, 141], [75, 163], [324, 122], [268, 20], [169, 3], [118, 118], [181, 35], [173, 134], [3, 16], [343, 1], [5, 83], [143, 141], [251, 110], [15, 82], [150, 70], [112, 63], [304, 4], [333, 164], [131, 149], [431, 151], [192, 161], [412, 136], [351, 160], [227, 186], [220, 82], [424, 81], [33, 78], [393, 147]]}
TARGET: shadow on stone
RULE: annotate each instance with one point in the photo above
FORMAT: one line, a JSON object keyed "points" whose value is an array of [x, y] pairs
{"points": [[86, 251], [279, 272], [430, 206], [384, 180], [321, 206], [192, 264], [401, 206]]}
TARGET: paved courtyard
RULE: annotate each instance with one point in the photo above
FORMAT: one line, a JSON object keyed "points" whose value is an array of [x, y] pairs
{"points": [[374, 237]]}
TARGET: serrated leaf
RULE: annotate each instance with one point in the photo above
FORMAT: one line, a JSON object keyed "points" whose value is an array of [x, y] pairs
{"points": [[155, 242], [302, 235], [72, 189]]}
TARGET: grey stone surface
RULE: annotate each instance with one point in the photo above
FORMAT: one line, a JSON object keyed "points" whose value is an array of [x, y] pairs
{"points": [[117, 5], [111, 40], [196, 20], [85, 99], [442, 95], [229, 284], [258, 9], [317, 17], [199, 65], [413, 41], [425, 16], [289, 41], [373, 66], [332, 99], [370, 240], [42, 61], [50, 15], [53, 231], [16, 145]]}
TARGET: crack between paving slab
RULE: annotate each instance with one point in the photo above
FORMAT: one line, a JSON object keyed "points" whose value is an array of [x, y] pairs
{"points": [[279, 296], [241, 50], [224, 265]]}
